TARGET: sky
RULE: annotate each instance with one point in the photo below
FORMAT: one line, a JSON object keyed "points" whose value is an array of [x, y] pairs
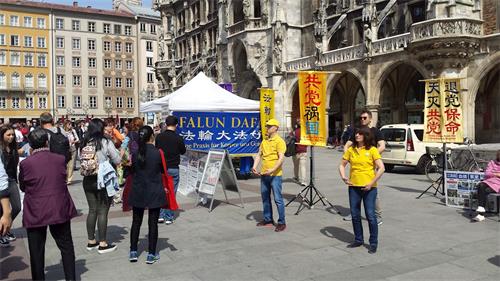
{"points": [[100, 4]]}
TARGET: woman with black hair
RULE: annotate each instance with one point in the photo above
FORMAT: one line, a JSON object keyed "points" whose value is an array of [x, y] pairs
{"points": [[10, 158], [363, 158], [98, 199], [147, 192]]}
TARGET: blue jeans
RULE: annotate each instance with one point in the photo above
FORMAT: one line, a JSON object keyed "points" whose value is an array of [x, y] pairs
{"points": [[165, 213], [268, 183], [368, 197]]}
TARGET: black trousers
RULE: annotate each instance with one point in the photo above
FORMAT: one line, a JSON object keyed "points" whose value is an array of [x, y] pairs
{"points": [[482, 193], [138, 214], [99, 204], [36, 243]]}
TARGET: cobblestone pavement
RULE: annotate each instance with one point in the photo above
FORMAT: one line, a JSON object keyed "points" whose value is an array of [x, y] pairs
{"points": [[418, 240]]}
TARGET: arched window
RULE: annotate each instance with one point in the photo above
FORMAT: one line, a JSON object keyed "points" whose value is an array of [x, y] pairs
{"points": [[3, 81], [28, 81], [257, 11], [15, 83], [42, 81]]}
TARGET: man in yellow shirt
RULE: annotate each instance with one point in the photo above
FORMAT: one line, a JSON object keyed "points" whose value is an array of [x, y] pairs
{"points": [[272, 152]]}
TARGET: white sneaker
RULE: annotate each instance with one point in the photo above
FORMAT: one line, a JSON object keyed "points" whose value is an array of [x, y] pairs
{"points": [[480, 210], [478, 218], [167, 222], [161, 220], [4, 242]]}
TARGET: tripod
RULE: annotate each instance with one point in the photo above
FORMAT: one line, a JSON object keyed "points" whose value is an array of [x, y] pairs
{"points": [[438, 185], [309, 194]]}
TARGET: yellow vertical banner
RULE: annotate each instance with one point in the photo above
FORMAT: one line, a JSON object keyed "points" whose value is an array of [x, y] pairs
{"points": [[312, 100], [451, 110], [443, 117], [266, 108]]}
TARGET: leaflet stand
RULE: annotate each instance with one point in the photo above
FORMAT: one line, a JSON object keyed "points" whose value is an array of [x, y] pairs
{"points": [[308, 192], [438, 184]]}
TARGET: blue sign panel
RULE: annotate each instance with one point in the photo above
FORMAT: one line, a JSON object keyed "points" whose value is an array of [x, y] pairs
{"points": [[238, 132]]}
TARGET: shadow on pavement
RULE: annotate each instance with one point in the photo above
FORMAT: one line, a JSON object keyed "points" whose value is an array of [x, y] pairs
{"points": [[256, 216], [495, 260], [401, 170], [337, 233], [116, 234], [343, 210], [161, 245], [56, 272], [11, 264], [404, 189]]}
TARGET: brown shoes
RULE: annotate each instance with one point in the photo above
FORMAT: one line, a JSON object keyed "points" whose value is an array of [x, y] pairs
{"points": [[280, 227], [265, 223]]}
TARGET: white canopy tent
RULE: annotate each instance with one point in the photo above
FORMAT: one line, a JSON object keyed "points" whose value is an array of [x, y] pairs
{"points": [[201, 94]]}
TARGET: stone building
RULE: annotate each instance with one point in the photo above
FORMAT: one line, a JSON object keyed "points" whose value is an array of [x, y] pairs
{"points": [[381, 49]]}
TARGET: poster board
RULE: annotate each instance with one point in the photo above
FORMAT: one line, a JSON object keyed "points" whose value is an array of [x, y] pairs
{"points": [[218, 171], [460, 189], [190, 171]]}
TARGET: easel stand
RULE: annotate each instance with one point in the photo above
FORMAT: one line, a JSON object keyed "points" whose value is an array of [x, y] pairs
{"points": [[310, 195], [438, 185]]}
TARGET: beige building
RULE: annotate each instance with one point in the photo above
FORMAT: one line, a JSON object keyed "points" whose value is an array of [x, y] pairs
{"points": [[382, 48]]}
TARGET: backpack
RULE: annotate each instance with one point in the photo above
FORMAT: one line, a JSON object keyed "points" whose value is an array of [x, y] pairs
{"points": [[89, 164], [290, 146], [59, 143]]}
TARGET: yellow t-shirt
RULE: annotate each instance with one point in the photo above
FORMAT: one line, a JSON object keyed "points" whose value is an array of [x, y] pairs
{"points": [[269, 149], [362, 164]]}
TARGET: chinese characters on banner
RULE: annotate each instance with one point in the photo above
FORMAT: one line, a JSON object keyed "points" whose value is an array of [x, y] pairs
{"points": [[312, 96], [443, 118], [266, 108]]}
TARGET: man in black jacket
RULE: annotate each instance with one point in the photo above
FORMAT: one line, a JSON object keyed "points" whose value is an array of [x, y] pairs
{"points": [[173, 147]]}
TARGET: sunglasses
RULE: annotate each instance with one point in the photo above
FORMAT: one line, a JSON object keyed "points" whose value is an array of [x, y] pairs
{"points": [[363, 117]]}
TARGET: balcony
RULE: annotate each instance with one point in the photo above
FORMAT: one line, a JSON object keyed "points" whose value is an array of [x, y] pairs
{"points": [[343, 55], [250, 24], [300, 64], [446, 28], [237, 27], [391, 44]]}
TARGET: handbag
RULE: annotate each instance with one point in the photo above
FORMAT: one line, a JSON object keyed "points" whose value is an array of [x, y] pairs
{"points": [[168, 185], [126, 193]]}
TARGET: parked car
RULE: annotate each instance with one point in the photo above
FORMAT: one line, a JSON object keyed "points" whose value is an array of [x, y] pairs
{"points": [[405, 146]]}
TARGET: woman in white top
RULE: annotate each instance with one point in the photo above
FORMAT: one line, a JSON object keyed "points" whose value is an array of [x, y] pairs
{"points": [[73, 140]]}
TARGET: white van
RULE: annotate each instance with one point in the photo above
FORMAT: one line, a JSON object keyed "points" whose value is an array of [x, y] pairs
{"points": [[405, 146]]}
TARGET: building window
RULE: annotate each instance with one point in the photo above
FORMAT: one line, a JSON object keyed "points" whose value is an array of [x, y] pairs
{"points": [[117, 29], [76, 44], [77, 101], [42, 102], [76, 61], [75, 25], [60, 42], [149, 46], [41, 42], [152, 28], [149, 61], [15, 103], [91, 26], [59, 23], [3, 102], [128, 47], [128, 30], [130, 65], [28, 22], [91, 45], [29, 103], [77, 80], [107, 82], [61, 101], [15, 83], [143, 27], [28, 41], [107, 46], [14, 21], [2, 39], [42, 81], [15, 58], [106, 28], [92, 62], [150, 77], [92, 101], [107, 63], [118, 64], [118, 82], [3, 58], [28, 81], [92, 81], [42, 60], [60, 60], [28, 59], [3, 81], [130, 82], [40, 22], [130, 102], [2, 19], [60, 80], [118, 47], [14, 40], [119, 102]]}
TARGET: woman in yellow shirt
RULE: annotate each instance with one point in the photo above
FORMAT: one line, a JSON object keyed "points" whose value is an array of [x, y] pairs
{"points": [[362, 182]]}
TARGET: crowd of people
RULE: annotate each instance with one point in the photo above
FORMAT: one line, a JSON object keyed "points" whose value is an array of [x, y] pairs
{"points": [[134, 164]]}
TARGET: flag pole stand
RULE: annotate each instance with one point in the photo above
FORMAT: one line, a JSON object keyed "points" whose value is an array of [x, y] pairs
{"points": [[438, 184], [310, 195]]}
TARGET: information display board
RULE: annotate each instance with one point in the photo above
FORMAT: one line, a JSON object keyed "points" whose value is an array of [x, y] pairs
{"points": [[190, 171], [460, 189]]}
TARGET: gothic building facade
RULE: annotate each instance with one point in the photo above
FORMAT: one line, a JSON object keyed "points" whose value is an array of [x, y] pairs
{"points": [[377, 53]]}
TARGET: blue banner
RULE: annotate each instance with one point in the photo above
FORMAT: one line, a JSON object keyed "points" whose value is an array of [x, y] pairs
{"points": [[238, 132]]}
